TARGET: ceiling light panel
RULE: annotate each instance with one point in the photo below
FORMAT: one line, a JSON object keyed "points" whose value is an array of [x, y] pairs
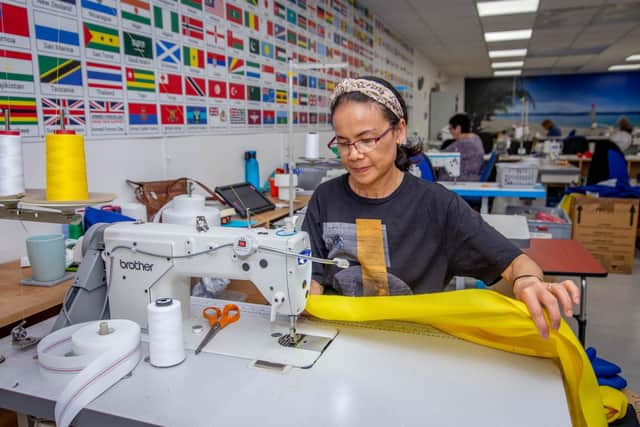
{"points": [[510, 64], [633, 58], [507, 53], [625, 67], [501, 73], [500, 36], [507, 7]]}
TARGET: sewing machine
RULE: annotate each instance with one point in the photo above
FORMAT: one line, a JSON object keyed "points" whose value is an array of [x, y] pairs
{"points": [[449, 161], [143, 262]]}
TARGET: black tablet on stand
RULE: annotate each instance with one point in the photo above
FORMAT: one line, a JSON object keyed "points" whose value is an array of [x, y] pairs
{"points": [[244, 196]]}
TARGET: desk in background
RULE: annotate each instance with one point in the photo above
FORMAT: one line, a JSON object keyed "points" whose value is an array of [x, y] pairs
{"points": [[633, 164], [18, 302], [568, 258], [484, 190], [265, 219], [550, 172]]}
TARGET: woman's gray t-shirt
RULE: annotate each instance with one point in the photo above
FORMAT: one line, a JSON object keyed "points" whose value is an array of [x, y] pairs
{"points": [[429, 235]]}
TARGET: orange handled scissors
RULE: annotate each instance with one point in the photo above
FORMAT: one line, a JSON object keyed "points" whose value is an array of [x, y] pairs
{"points": [[218, 319]]}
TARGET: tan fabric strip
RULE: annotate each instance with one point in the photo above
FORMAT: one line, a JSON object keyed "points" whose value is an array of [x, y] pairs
{"points": [[375, 281]]}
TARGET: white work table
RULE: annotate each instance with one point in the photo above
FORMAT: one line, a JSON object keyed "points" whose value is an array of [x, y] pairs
{"points": [[366, 377], [493, 189], [513, 227], [550, 172]]}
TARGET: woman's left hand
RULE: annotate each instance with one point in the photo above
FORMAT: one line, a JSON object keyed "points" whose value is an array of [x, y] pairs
{"points": [[539, 296]]}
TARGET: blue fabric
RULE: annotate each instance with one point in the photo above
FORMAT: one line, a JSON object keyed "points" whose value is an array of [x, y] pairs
{"points": [[93, 216], [618, 167], [621, 190]]}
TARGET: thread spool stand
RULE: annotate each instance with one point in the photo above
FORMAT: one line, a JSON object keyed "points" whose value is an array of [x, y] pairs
{"points": [[34, 206]]}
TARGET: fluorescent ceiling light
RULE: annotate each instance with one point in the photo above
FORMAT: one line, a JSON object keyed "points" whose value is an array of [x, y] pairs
{"points": [[633, 58], [506, 53], [625, 67], [506, 7], [510, 64], [507, 73], [501, 36]]}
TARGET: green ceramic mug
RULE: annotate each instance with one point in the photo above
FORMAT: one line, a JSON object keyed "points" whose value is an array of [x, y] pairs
{"points": [[47, 257]]}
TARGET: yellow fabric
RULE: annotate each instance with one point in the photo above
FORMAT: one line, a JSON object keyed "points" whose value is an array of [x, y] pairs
{"points": [[615, 403], [487, 318], [375, 281], [565, 203]]}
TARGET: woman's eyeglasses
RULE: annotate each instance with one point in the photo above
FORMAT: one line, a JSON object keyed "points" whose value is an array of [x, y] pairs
{"points": [[362, 146]]}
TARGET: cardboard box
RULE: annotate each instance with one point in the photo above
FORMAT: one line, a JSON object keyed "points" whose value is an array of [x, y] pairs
{"points": [[607, 229]]}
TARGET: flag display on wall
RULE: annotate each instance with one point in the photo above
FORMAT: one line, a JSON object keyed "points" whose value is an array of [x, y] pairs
{"points": [[162, 66]]}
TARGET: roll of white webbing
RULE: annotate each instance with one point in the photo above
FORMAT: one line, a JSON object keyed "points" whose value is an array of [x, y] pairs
{"points": [[97, 353]]}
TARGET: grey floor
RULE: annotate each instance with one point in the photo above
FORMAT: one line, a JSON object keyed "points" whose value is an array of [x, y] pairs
{"points": [[613, 322]]}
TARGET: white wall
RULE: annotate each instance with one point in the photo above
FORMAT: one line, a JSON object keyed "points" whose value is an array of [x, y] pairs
{"points": [[455, 86], [213, 159], [418, 122]]}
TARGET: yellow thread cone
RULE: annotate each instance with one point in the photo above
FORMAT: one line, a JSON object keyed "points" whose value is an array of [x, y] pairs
{"points": [[66, 167]]}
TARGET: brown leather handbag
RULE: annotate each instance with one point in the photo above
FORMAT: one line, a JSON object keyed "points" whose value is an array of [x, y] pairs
{"points": [[155, 194]]}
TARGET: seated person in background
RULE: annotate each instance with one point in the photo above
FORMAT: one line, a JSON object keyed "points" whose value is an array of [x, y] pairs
{"points": [[470, 147], [551, 128], [622, 137], [446, 143]]}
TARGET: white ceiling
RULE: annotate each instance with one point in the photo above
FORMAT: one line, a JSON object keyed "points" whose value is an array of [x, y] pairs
{"points": [[569, 36]]}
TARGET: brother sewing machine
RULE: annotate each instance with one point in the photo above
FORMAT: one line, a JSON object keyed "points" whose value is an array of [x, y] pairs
{"points": [[128, 265]]}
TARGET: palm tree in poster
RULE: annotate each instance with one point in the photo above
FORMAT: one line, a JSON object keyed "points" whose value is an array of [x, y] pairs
{"points": [[484, 98]]}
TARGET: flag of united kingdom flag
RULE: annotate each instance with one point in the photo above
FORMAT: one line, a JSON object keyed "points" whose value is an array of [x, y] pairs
{"points": [[74, 113]]}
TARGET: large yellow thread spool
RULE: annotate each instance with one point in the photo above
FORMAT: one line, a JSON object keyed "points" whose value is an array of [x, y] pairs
{"points": [[66, 167]]}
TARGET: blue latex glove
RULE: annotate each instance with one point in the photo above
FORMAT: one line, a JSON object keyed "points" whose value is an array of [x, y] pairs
{"points": [[616, 382], [606, 372]]}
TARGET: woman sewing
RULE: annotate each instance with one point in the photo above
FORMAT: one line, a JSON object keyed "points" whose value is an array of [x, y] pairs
{"points": [[401, 234]]}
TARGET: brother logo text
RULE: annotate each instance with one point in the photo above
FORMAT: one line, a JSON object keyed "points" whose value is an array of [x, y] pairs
{"points": [[135, 265]]}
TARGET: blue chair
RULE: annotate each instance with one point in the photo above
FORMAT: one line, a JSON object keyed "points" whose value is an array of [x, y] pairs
{"points": [[488, 167], [484, 177], [424, 165]]}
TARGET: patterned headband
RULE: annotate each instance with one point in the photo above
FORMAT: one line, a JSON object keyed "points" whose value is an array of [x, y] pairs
{"points": [[373, 90]]}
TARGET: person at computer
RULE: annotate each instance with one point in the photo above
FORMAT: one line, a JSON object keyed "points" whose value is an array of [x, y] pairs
{"points": [[623, 135], [470, 147], [551, 128], [402, 234]]}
